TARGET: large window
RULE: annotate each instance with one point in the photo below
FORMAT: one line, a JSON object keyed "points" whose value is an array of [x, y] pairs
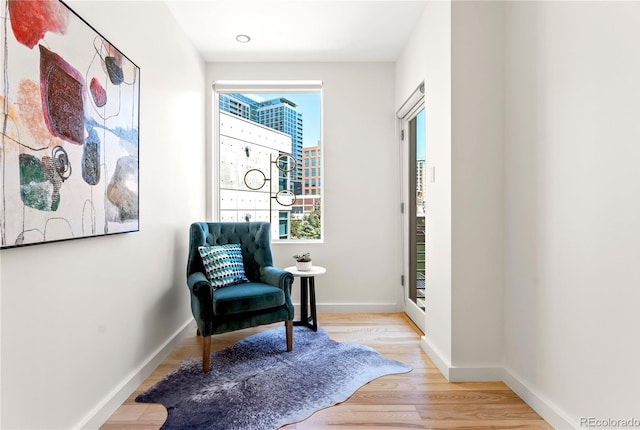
{"points": [[263, 135]]}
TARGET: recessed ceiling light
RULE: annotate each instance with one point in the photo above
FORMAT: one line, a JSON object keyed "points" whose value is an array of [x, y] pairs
{"points": [[243, 38]]}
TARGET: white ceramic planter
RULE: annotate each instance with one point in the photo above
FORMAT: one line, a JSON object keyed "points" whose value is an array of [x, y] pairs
{"points": [[303, 265]]}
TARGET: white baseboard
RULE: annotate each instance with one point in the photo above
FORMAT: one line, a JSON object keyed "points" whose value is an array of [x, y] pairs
{"points": [[539, 403], [347, 308], [115, 398], [442, 363], [476, 374]]}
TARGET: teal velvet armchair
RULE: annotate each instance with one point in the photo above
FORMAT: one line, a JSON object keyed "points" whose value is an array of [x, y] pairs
{"points": [[265, 299]]}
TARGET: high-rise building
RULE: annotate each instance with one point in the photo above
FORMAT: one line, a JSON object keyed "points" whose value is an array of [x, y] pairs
{"points": [[282, 114], [279, 114], [311, 174], [420, 186], [238, 105]]}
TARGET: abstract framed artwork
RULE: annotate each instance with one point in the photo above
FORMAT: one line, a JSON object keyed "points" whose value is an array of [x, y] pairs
{"points": [[69, 124]]}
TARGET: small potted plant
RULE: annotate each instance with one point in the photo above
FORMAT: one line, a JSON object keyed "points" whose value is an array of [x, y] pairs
{"points": [[303, 261]]}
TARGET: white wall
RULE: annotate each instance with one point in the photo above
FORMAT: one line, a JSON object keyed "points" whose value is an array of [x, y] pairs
{"points": [[457, 49], [544, 132], [80, 318], [573, 204], [427, 57], [477, 188], [361, 248]]}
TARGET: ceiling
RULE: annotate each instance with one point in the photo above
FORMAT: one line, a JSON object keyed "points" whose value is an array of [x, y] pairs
{"points": [[298, 30]]}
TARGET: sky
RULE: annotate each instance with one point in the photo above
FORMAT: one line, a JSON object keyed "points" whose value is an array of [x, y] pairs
{"points": [[420, 141], [308, 105]]}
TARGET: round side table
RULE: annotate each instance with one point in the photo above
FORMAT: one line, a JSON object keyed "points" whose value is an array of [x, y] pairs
{"points": [[307, 295]]}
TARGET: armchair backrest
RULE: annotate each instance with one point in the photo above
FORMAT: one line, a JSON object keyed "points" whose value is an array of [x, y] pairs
{"points": [[254, 239]]}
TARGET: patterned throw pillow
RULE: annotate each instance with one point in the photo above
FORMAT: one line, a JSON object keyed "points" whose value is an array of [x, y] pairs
{"points": [[223, 264]]}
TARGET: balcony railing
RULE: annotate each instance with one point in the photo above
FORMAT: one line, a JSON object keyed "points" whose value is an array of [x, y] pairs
{"points": [[418, 295]]}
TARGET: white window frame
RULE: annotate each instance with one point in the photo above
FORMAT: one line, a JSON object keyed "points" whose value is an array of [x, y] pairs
{"points": [[253, 86]]}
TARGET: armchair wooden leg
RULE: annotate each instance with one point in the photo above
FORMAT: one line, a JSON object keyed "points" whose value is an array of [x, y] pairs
{"points": [[289, 329], [206, 353]]}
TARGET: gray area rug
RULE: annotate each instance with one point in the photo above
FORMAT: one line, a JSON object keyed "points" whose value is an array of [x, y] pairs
{"points": [[256, 384]]}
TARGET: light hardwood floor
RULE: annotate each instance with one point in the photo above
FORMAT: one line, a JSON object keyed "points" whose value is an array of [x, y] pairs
{"points": [[420, 399]]}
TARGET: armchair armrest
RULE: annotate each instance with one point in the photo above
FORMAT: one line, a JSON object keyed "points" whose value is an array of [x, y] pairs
{"points": [[281, 279], [277, 277], [201, 301], [199, 285]]}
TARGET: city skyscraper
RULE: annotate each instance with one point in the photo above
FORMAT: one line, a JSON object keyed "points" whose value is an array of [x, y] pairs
{"points": [[311, 163], [279, 114], [239, 105]]}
